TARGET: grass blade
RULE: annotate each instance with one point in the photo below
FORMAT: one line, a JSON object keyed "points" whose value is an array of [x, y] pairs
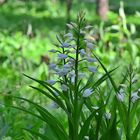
{"points": [[51, 89], [108, 74], [49, 119], [85, 128], [136, 132], [37, 134], [58, 101]]}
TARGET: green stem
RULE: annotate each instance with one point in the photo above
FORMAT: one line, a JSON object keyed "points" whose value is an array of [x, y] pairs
{"points": [[129, 107], [75, 115]]}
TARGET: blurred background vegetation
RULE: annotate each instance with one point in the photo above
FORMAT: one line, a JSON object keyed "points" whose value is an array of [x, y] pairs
{"points": [[28, 29]]}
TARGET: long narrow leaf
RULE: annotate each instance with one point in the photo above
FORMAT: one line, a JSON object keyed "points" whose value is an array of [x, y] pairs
{"points": [[121, 106], [54, 124], [24, 110], [37, 134], [108, 74], [103, 78], [99, 81], [51, 89], [59, 102], [85, 127], [136, 132], [48, 118]]}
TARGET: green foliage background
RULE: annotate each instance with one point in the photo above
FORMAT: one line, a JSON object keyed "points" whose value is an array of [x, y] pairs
{"points": [[21, 52]]}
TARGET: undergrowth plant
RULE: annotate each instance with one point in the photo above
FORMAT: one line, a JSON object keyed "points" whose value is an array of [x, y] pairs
{"points": [[95, 106]]}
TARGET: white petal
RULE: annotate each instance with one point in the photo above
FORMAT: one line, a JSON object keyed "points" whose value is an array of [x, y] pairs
{"points": [[54, 105], [95, 107], [62, 72], [86, 137], [52, 66], [69, 26], [72, 46], [108, 115], [82, 52], [62, 56], [74, 24], [64, 87], [71, 74], [81, 75], [134, 97], [120, 97], [87, 92], [89, 59], [67, 66], [82, 32], [68, 35], [90, 45], [88, 27], [65, 44], [51, 82], [92, 69]]}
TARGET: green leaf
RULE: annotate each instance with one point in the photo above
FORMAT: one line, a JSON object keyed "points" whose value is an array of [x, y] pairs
{"points": [[108, 74], [123, 113], [77, 112], [124, 79], [121, 106], [49, 119], [111, 130], [51, 89], [133, 110], [22, 109], [85, 128], [136, 132], [99, 81], [57, 100], [90, 79], [43, 137], [54, 123], [103, 78], [88, 104], [46, 85]]}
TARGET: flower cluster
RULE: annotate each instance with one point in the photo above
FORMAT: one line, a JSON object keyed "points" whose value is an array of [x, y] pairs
{"points": [[74, 58], [134, 96]]}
